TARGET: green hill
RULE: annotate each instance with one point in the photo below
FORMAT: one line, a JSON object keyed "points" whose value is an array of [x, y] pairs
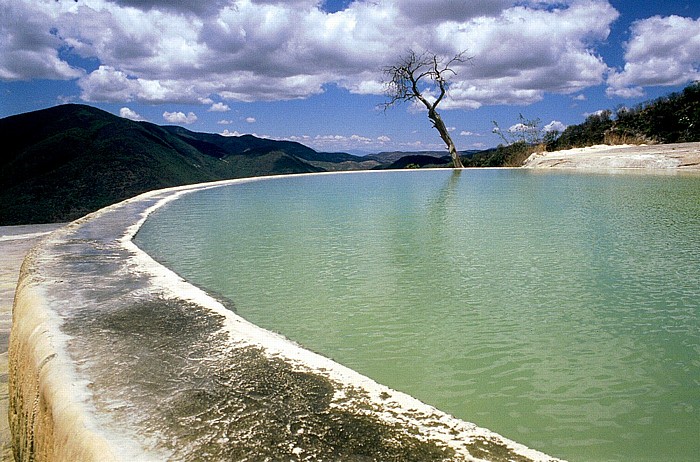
{"points": [[63, 162], [674, 118]]}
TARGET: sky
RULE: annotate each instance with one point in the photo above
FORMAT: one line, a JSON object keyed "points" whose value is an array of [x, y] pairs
{"points": [[310, 70]]}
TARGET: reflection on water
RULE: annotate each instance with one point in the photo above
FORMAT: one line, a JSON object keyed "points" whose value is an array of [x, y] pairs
{"points": [[561, 310]]}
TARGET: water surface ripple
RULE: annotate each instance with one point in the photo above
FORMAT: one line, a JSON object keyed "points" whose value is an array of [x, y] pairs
{"points": [[559, 309]]}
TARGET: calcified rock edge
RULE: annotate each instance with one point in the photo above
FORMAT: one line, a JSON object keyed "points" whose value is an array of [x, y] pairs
{"points": [[114, 357], [659, 157]]}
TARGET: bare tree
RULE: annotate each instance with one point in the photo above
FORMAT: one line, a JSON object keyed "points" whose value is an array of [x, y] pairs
{"points": [[417, 75]]}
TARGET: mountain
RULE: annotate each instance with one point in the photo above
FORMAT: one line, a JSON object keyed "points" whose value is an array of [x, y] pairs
{"points": [[61, 163], [387, 159], [420, 161], [390, 157]]}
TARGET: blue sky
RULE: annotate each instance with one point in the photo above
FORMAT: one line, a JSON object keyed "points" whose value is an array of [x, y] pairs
{"points": [[309, 70]]}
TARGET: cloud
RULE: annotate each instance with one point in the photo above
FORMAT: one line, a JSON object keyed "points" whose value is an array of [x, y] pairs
{"points": [[129, 114], [185, 51], [524, 52], [107, 84], [599, 112], [176, 6], [299, 138], [360, 139], [661, 51], [30, 44], [341, 140], [224, 122], [554, 126], [432, 11], [219, 107], [250, 120], [335, 142], [226, 132], [621, 91], [180, 117], [519, 128]]}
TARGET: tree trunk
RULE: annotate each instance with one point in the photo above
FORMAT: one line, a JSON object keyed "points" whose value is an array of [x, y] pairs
{"points": [[445, 135]]}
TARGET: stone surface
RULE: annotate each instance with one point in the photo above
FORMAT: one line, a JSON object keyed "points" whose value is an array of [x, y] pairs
{"points": [[15, 242], [682, 156]]}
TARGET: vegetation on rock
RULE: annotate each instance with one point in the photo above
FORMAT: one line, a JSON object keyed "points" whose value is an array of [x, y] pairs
{"points": [[674, 118]]}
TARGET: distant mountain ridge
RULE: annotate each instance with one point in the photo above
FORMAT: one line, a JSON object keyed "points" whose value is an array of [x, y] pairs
{"points": [[389, 157], [61, 163]]}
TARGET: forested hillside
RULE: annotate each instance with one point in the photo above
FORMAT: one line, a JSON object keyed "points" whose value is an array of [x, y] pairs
{"points": [[60, 163], [674, 118]]}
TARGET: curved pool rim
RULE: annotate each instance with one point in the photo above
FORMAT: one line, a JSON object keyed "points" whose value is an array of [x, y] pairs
{"points": [[66, 401]]}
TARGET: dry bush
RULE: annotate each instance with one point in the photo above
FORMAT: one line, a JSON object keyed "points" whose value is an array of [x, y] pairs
{"points": [[615, 137]]}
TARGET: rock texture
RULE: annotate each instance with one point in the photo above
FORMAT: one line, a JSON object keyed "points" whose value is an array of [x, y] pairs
{"points": [[683, 156], [15, 242]]}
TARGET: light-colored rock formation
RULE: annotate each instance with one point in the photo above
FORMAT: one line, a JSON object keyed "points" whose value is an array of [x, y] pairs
{"points": [[15, 242], [682, 156]]}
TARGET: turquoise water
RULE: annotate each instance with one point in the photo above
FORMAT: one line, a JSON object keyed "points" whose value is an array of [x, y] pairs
{"points": [[561, 310]]}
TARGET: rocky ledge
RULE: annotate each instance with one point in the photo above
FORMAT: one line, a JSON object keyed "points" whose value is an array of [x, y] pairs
{"points": [[682, 156]]}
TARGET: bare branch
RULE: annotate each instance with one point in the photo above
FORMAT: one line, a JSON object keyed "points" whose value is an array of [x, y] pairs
{"points": [[403, 79], [403, 83]]}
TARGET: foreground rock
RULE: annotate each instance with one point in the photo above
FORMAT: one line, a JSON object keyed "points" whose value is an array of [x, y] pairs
{"points": [[15, 242], [113, 357], [682, 156]]}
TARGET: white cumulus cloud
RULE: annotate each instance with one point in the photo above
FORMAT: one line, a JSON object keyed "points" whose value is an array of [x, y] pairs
{"points": [[519, 128], [219, 107], [554, 126], [661, 51], [31, 43], [335, 142], [180, 117], [130, 114], [193, 52]]}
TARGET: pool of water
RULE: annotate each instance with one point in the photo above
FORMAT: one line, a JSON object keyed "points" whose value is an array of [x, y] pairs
{"points": [[561, 310]]}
